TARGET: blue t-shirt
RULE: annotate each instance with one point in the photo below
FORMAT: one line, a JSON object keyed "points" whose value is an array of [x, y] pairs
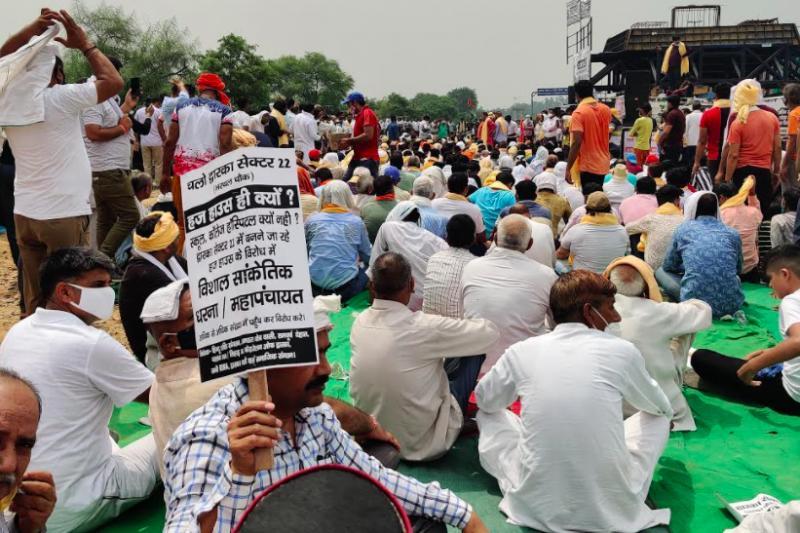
{"points": [[335, 242], [491, 202]]}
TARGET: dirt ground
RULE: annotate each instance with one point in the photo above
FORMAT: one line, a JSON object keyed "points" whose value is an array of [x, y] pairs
{"points": [[9, 299]]}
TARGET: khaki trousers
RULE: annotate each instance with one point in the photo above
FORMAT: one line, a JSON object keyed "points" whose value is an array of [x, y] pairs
{"points": [[152, 159], [117, 214], [39, 238]]}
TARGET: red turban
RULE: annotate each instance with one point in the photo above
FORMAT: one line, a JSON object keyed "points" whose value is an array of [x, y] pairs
{"points": [[208, 81]]}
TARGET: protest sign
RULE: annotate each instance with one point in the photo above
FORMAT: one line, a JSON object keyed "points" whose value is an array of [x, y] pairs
{"points": [[248, 265]]}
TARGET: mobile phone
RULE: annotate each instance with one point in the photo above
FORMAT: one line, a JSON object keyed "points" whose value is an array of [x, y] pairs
{"points": [[136, 86]]}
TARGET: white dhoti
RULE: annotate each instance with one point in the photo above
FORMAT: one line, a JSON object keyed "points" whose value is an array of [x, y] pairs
{"points": [[130, 478], [499, 451]]}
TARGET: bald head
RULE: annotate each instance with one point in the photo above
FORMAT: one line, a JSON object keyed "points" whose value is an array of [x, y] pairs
{"points": [[391, 278], [627, 280], [514, 233]]}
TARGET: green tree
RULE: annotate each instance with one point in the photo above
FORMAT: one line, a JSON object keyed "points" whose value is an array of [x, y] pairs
{"points": [[312, 78], [433, 105], [393, 104], [247, 75], [163, 50], [152, 53], [466, 100]]}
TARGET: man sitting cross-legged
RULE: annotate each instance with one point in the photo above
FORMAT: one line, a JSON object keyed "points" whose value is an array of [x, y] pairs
{"points": [[397, 369], [570, 462]]}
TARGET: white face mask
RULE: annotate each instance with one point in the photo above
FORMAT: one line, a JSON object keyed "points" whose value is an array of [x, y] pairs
{"points": [[601, 318], [97, 301]]}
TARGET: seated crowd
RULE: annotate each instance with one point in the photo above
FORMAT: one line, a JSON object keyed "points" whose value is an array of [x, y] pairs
{"points": [[497, 269]]}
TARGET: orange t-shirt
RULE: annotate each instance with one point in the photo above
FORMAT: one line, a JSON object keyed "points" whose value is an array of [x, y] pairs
{"points": [[592, 120], [755, 139], [794, 120]]}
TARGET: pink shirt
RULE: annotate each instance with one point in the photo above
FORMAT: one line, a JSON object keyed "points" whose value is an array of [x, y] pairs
{"points": [[745, 219], [635, 207]]}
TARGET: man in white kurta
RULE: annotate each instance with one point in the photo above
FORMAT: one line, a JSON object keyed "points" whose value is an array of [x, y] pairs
{"points": [[662, 331], [509, 288], [397, 369], [569, 462]]}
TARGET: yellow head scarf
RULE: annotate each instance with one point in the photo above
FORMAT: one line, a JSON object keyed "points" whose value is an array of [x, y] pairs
{"points": [[242, 138], [164, 234], [745, 99], [645, 270], [741, 196]]}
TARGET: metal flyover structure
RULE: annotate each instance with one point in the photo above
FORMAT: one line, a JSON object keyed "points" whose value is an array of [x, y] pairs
{"points": [[766, 50]]}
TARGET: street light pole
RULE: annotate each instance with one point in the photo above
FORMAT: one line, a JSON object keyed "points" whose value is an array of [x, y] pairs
{"points": [[533, 93]]}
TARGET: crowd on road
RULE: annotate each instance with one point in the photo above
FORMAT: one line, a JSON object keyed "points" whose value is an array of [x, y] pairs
{"points": [[507, 258]]}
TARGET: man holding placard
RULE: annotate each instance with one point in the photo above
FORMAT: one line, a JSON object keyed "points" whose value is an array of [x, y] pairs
{"points": [[211, 475]]}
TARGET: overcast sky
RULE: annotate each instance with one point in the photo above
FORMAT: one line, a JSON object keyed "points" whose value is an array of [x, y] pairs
{"points": [[503, 49]]}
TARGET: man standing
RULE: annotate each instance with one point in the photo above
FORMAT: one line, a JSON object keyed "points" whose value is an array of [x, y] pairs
{"points": [[108, 144], [397, 365], [676, 63], [692, 132], [508, 287], [96, 479], [53, 176], [366, 132], [712, 131], [201, 130], [642, 132], [152, 144], [670, 143], [304, 129], [589, 157], [754, 143], [574, 448], [33, 493], [501, 131]]}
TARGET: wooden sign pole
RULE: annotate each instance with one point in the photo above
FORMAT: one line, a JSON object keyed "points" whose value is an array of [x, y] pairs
{"points": [[259, 392]]}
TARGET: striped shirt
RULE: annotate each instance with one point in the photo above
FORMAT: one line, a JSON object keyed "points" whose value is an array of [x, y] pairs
{"points": [[199, 475]]}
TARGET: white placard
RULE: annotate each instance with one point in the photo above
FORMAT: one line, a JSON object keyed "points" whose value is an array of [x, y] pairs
{"points": [[248, 265]]}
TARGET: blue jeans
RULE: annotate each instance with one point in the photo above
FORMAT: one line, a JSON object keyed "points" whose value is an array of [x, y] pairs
{"points": [[347, 290], [464, 377], [670, 283]]}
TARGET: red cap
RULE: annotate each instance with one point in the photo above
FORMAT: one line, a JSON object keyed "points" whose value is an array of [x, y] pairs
{"points": [[314, 154], [652, 159]]}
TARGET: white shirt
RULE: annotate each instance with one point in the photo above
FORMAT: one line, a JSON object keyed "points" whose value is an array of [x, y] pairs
{"points": [[53, 175], [443, 282], [789, 316], [651, 327], [512, 290], [81, 373], [153, 138], [617, 191], [449, 207], [396, 370], [112, 154], [417, 245], [304, 129], [693, 127], [255, 122], [593, 247], [576, 472]]}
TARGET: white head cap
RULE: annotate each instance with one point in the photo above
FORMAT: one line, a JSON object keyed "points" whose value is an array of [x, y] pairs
{"points": [[323, 305]]}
